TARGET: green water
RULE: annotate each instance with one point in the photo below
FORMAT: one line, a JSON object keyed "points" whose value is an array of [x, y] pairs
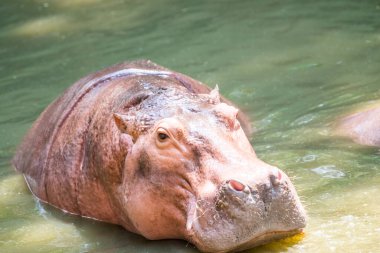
{"points": [[292, 66]]}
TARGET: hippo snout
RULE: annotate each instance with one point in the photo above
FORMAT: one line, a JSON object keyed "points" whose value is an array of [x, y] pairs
{"points": [[238, 197], [263, 186], [274, 180], [252, 208]]}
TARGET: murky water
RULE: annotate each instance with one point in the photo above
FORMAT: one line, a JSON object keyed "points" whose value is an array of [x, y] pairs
{"points": [[293, 66]]}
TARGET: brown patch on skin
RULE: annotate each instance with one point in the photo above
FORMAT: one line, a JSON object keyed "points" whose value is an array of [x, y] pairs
{"points": [[136, 100], [202, 147], [144, 165]]}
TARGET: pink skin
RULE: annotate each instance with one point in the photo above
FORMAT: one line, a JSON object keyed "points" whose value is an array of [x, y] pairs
{"points": [[363, 127], [160, 154]]}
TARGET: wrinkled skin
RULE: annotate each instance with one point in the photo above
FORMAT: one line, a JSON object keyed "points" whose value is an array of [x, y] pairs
{"points": [[362, 127], [160, 154]]}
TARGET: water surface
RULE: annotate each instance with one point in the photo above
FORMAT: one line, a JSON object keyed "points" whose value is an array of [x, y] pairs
{"points": [[293, 66]]}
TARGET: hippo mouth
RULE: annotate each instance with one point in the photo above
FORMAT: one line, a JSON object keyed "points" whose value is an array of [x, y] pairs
{"points": [[265, 238], [258, 240]]}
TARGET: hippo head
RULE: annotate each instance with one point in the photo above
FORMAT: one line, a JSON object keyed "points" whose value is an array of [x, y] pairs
{"points": [[192, 174]]}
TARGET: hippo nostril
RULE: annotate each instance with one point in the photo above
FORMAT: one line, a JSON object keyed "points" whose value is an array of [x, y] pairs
{"points": [[236, 185]]}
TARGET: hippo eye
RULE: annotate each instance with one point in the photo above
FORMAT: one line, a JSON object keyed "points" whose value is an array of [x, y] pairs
{"points": [[162, 136]]}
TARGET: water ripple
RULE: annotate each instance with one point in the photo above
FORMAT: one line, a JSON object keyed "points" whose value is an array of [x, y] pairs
{"points": [[329, 171]]}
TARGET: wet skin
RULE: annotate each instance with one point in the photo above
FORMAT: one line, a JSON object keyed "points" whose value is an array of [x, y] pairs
{"points": [[160, 154], [362, 126]]}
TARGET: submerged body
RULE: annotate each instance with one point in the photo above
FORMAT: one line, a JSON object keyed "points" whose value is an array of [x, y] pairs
{"points": [[160, 154], [363, 126]]}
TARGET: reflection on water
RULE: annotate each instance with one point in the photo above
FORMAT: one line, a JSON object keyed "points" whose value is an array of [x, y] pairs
{"points": [[293, 66], [43, 26]]}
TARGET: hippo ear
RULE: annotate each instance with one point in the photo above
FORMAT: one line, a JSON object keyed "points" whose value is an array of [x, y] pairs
{"points": [[214, 95], [124, 122]]}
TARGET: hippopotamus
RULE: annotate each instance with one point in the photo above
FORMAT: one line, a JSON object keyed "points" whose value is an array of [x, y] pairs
{"points": [[362, 126], [160, 154]]}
